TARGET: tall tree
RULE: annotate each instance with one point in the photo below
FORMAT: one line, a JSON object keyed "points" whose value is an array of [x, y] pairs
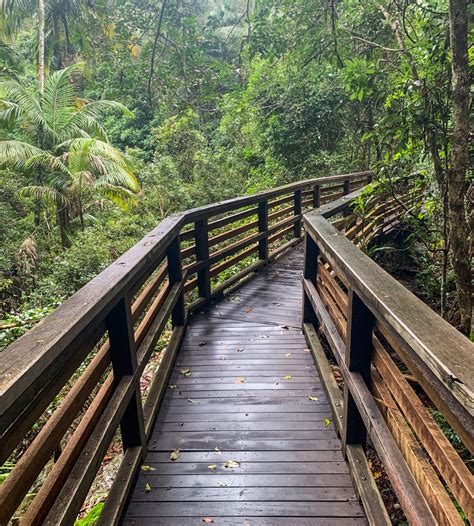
{"points": [[456, 176]]}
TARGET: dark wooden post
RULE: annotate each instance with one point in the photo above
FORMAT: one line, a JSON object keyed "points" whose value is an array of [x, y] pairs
{"points": [[124, 362], [317, 196], [297, 212], [347, 188], [310, 272], [360, 324], [201, 237], [175, 275], [263, 227]]}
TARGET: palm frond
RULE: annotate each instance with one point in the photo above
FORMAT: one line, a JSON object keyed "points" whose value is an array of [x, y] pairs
{"points": [[45, 193], [58, 97], [13, 153], [27, 102]]}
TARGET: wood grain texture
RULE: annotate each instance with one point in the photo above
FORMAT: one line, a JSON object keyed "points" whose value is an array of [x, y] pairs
{"points": [[248, 395]]}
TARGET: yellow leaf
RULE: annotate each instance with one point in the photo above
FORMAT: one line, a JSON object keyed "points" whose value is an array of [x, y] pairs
{"points": [[289, 354], [192, 401], [313, 398], [212, 466], [174, 386], [147, 488], [377, 474], [232, 464], [222, 484], [217, 451], [185, 372], [175, 454], [147, 468], [240, 380], [327, 422], [287, 377]]}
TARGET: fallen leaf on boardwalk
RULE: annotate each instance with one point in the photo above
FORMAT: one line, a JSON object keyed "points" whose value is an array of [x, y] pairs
{"points": [[287, 377], [175, 454], [192, 401], [208, 520], [201, 344], [174, 386], [289, 354], [147, 468], [248, 310], [212, 466], [217, 451], [377, 474], [313, 398], [232, 464], [185, 372], [327, 422], [307, 350], [240, 380], [147, 488], [285, 327], [240, 350], [222, 484]]}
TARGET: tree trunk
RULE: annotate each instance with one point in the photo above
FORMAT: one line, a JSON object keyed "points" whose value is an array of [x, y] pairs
{"points": [[456, 178], [39, 175], [41, 46]]}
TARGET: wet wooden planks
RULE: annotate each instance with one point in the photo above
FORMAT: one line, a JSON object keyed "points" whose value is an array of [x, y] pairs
{"points": [[253, 397]]}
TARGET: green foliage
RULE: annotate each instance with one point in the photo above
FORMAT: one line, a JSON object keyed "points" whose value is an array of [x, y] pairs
{"points": [[91, 517]]}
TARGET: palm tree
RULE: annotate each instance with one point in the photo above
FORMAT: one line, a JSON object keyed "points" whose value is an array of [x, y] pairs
{"points": [[76, 161], [66, 22]]}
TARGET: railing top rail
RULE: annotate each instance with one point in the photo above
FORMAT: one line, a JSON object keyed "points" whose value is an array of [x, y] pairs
{"points": [[246, 200], [38, 349], [437, 343]]}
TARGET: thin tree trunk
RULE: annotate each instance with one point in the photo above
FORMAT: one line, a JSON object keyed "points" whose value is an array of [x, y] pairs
{"points": [[41, 46], [153, 52], [39, 175], [457, 186]]}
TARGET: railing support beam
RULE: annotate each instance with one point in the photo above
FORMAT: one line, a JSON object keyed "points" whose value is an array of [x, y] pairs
{"points": [[358, 357], [175, 275], [263, 227], [297, 212], [124, 363], [201, 236]]}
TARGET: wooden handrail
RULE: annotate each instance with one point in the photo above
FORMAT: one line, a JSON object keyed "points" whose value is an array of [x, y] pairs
{"points": [[373, 323], [125, 310]]}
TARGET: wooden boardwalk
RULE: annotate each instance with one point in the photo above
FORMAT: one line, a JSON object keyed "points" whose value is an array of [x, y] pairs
{"points": [[254, 398]]}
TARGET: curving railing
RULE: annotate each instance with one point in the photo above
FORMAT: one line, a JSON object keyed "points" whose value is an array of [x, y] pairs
{"points": [[98, 350], [405, 371]]}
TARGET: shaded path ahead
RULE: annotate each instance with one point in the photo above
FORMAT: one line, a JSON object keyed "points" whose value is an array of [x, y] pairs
{"points": [[253, 397]]}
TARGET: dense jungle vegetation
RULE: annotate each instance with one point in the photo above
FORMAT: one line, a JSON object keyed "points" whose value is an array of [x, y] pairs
{"points": [[115, 114]]}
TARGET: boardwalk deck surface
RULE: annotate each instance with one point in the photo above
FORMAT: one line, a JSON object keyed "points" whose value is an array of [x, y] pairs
{"points": [[247, 400]]}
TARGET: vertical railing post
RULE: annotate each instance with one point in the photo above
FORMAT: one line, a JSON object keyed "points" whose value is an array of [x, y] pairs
{"points": [[317, 196], [201, 237], [297, 212], [263, 227], [175, 275], [310, 272], [124, 363], [358, 356], [347, 188]]}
